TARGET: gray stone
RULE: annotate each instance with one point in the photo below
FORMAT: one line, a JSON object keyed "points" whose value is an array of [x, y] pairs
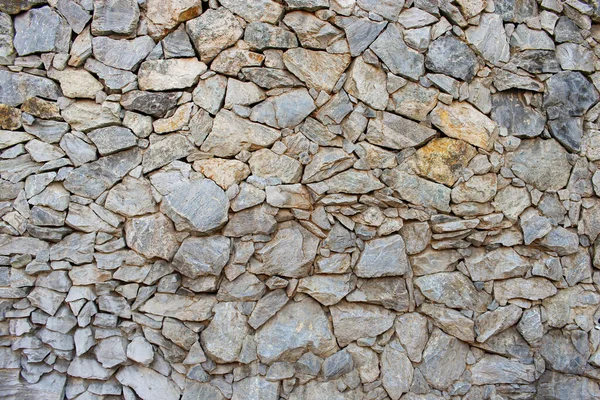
{"points": [[568, 131], [15, 88], [251, 221], [299, 326], [417, 190], [569, 94], [263, 10], [86, 115], [163, 152], [448, 55], [312, 32], [327, 289], [541, 163], [493, 369], [231, 134], [537, 61], [509, 110], [210, 92], [452, 289], [524, 38], [444, 360], [202, 256], [7, 51], [388, 292], [337, 365], [112, 139], [400, 59], [111, 352], [493, 322], [213, 31], [553, 384], [115, 17], [91, 179], [284, 111], [155, 104], [305, 64], [574, 57], [326, 163], [151, 235], [383, 257], [88, 368], [255, 387], [197, 205], [414, 101], [122, 54], [246, 287], [74, 13], [267, 307], [354, 182], [76, 248], [184, 308], [433, 261], [131, 197], [178, 44], [490, 39], [260, 36], [561, 353], [46, 300], [170, 74], [561, 240], [496, 264], [147, 383], [41, 30], [224, 337], [289, 196], [352, 321], [368, 83], [519, 288], [394, 132], [289, 253], [360, 33], [450, 321]]}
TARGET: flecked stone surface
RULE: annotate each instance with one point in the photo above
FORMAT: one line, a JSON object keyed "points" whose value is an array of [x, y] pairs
{"points": [[299, 199]]}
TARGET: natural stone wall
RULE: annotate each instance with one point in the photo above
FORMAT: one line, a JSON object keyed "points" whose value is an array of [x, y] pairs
{"points": [[305, 199]]}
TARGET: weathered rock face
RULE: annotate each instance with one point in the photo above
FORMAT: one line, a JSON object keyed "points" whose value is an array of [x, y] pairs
{"points": [[299, 199]]}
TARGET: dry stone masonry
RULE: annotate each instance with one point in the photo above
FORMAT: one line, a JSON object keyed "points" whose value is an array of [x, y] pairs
{"points": [[299, 199]]}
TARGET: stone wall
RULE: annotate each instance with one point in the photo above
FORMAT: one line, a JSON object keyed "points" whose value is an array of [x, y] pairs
{"points": [[299, 199]]}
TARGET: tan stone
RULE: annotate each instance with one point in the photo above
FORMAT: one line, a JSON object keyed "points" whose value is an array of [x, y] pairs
{"points": [[443, 160], [223, 172], [462, 121]]}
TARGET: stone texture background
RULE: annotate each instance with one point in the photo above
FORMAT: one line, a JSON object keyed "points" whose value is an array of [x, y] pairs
{"points": [[306, 199]]}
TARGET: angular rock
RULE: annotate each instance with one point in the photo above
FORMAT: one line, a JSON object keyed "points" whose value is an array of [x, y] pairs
{"points": [[397, 56], [200, 256], [112, 139], [122, 54], [394, 132], [501, 263], [493, 322], [155, 104], [388, 292], [267, 164], [210, 92], [360, 33], [147, 383], [183, 308], [452, 289], [168, 149], [493, 369], [353, 321], [297, 327], [284, 111], [326, 163], [152, 236], [76, 83], [509, 110], [255, 387], [131, 197], [267, 307], [7, 32], [306, 64], [289, 196], [224, 337], [383, 257], [213, 31], [462, 121], [86, 115], [490, 39], [327, 289], [252, 221], [354, 182], [115, 17], [224, 172], [414, 101], [249, 196], [450, 321], [15, 88], [260, 36], [444, 160], [367, 83], [519, 288], [417, 190], [41, 30], [231, 134], [444, 359], [541, 163], [92, 179], [262, 10], [290, 252], [569, 94], [164, 15], [524, 38], [179, 73], [448, 55]]}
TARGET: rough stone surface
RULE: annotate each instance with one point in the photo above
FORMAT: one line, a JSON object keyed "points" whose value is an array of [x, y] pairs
{"points": [[299, 199]]}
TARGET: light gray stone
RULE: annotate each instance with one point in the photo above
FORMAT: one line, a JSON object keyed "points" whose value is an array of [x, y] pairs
{"points": [[41, 30], [122, 53], [199, 256], [214, 31]]}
